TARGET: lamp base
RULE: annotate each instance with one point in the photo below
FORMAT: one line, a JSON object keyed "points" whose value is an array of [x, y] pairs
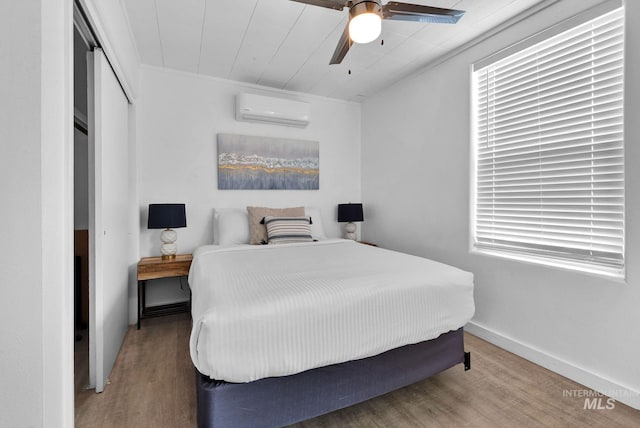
{"points": [[350, 231], [168, 249]]}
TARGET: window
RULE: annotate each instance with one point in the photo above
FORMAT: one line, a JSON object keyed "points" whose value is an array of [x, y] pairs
{"points": [[549, 147]]}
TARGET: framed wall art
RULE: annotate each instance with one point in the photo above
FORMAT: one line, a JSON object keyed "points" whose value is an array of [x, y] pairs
{"points": [[250, 162]]}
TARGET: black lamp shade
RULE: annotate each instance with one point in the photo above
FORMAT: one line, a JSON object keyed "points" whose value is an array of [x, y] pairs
{"points": [[350, 213], [165, 216]]}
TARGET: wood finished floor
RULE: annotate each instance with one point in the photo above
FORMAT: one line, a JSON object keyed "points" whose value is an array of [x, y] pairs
{"points": [[152, 385]]}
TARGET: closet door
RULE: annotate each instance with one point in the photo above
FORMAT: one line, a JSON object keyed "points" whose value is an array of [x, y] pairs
{"points": [[108, 217]]}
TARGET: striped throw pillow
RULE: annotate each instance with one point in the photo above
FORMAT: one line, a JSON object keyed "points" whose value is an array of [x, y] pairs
{"points": [[281, 230]]}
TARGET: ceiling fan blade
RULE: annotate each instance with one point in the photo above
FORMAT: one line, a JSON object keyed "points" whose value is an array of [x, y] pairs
{"points": [[418, 13], [331, 4], [343, 47]]}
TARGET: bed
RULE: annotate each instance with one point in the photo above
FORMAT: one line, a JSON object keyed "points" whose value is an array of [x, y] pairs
{"points": [[282, 333]]}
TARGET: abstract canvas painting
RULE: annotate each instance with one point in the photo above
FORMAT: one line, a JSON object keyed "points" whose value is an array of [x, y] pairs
{"points": [[248, 162]]}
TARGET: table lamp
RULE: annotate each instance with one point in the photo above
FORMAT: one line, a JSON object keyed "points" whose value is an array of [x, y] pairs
{"points": [[167, 216], [350, 213]]}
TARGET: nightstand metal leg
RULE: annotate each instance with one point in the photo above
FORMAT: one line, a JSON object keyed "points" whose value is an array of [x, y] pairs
{"points": [[141, 300]]}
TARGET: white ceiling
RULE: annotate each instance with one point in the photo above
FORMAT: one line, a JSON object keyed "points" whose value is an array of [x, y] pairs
{"points": [[287, 45]]}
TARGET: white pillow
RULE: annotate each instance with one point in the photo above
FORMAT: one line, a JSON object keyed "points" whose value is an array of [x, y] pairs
{"points": [[317, 232], [230, 226]]}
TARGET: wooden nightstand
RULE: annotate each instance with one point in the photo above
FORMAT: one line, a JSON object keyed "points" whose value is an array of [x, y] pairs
{"points": [[156, 268]]}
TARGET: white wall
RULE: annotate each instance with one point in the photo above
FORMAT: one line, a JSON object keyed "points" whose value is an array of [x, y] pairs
{"points": [[416, 187], [36, 310], [178, 118], [20, 162]]}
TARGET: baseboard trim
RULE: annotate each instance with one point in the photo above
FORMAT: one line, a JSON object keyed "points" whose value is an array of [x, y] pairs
{"points": [[621, 393]]}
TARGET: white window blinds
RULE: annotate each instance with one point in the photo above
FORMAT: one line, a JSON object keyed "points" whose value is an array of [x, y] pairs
{"points": [[550, 150]]}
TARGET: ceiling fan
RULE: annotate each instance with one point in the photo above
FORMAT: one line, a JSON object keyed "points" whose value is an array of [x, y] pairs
{"points": [[365, 18]]}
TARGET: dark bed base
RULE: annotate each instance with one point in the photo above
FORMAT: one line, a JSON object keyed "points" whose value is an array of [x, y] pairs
{"points": [[278, 401]]}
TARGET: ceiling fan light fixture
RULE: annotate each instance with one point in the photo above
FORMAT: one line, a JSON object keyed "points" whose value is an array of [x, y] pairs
{"points": [[365, 23]]}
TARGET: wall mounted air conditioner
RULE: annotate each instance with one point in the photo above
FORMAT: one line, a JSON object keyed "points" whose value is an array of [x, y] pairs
{"points": [[279, 111]]}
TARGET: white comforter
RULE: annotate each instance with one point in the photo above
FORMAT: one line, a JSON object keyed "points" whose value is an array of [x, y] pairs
{"points": [[275, 310]]}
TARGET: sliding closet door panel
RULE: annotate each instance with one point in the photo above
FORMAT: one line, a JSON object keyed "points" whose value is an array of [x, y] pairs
{"points": [[109, 217]]}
